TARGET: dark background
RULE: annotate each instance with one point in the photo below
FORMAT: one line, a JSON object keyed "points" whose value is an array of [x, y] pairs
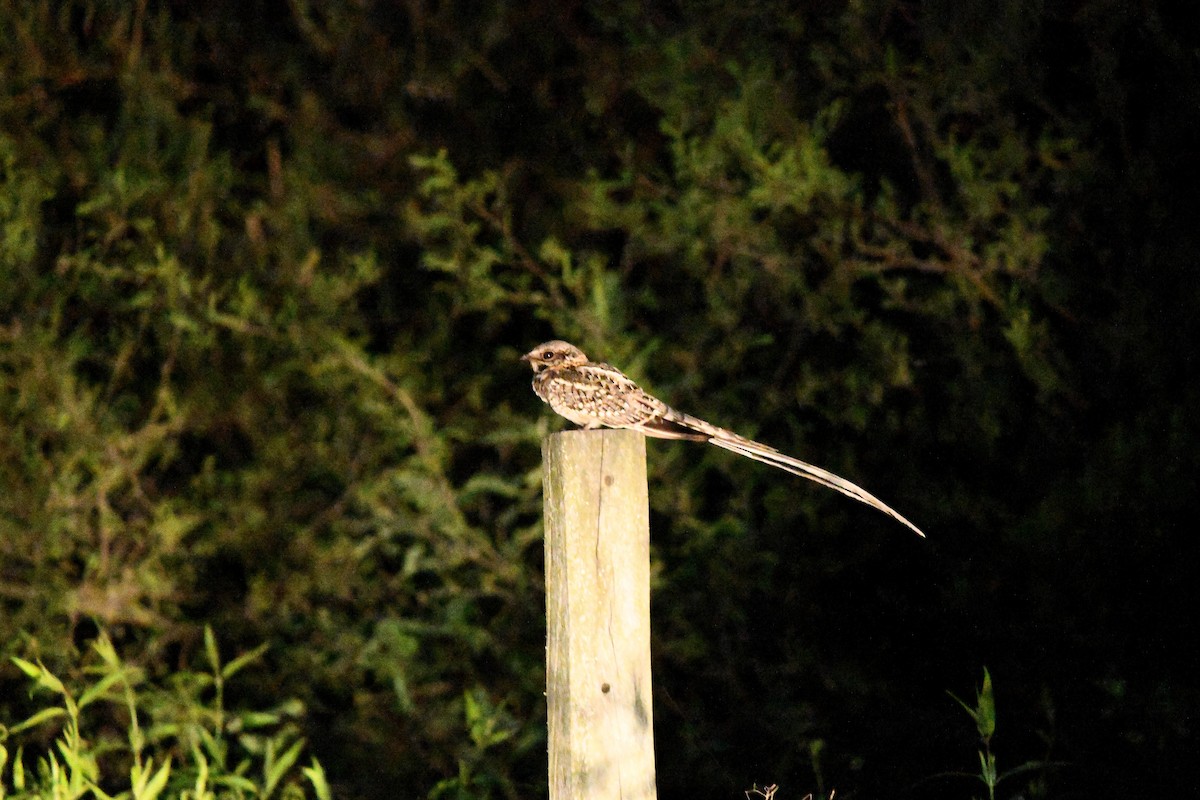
{"points": [[266, 269]]}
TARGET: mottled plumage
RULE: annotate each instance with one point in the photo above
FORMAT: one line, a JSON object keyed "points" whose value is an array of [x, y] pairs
{"points": [[594, 395]]}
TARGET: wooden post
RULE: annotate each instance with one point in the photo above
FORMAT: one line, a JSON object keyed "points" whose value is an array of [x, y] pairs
{"points": [[601, 732]]}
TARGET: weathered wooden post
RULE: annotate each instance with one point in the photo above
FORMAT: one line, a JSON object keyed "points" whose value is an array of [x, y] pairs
{"points": [[598, 691]]}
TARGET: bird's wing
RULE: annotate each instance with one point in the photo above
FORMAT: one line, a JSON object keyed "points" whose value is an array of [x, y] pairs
{"points": [[606, 396]]}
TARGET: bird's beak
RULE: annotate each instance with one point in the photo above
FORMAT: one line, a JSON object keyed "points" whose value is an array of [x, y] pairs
{"points": [[527, 357]]}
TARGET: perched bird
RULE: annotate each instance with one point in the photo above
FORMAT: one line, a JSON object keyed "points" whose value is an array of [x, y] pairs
{"points": [[592, 394]]}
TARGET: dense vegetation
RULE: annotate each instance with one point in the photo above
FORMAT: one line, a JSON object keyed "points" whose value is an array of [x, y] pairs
{"points": [[265, 270]]}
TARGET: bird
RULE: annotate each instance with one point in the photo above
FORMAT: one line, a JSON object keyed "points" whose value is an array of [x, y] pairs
{"points": [[594, 394]]}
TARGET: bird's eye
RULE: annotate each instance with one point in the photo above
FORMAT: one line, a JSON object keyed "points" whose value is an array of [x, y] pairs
{"points": [[547, 355]]}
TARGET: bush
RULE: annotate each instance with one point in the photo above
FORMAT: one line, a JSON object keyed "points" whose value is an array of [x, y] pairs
{"points": [[120, 734], [265, 270]]}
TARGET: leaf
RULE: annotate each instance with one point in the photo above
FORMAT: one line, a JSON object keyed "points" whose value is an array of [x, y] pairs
{"points": [[984, 712], [38, 718], [985, 717], [244, 660], [150, 787], [104, 648], [200, 788], [98, 689], [18, 769], [276, 770], [316, 776], [210, 649]]}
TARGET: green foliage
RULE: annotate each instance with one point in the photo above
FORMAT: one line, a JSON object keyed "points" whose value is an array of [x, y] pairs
{"points": [[480, 772], [117, 733], [983, 713], [264, 272]]}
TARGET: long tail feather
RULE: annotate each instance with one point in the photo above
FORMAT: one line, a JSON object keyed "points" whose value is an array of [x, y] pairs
{"points": [[813, 473], [769, 455]]}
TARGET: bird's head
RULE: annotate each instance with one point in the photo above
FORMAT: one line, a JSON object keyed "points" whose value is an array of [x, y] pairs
{"points": [[554, 354]]}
